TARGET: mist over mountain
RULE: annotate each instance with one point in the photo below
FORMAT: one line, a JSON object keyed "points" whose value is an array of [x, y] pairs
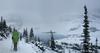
{"points": [[62, 16]]}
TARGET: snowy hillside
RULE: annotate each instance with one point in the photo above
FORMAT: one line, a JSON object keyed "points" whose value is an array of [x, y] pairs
{"points": [[75, 30], [6, 46]]}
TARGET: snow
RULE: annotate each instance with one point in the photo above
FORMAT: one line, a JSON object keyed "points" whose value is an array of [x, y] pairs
{"points": [[70, 40], [6, 46]]}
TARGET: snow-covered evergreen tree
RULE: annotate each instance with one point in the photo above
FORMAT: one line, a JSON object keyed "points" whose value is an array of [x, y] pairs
{"points": [[25, 35], [3, 27], [52, 44], [31, 36], [96, 50], [86, 36]]}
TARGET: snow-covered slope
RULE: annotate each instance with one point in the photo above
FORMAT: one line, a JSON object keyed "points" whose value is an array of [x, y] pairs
{"points": [[75, 30], [6, 46]]}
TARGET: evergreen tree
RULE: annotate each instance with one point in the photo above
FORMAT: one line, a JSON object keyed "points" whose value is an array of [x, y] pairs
{"points": [[39, 39], [52, 41], [27, 38], [4, 26], [25, 35], [1, 19], [31, 37], [86, 36], [14, 29], [1, 24], [92, 49], [35, 38], [10, 29], [20, 36], [96, 51]]}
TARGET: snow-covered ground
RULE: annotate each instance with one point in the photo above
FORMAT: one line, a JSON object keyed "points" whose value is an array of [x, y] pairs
{"points": [[6, 46]]}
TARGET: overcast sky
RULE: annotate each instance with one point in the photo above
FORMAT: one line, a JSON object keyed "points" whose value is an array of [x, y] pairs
{"points": [[46, 12]]}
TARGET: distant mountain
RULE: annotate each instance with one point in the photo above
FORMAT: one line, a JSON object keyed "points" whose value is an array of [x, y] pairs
{"points": [[46, 36]]}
